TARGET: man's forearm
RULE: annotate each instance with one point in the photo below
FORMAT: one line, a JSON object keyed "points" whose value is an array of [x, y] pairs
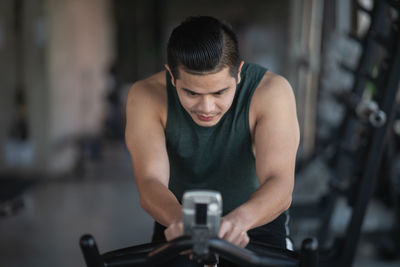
{"points": [[266, 204], [157, 200]]}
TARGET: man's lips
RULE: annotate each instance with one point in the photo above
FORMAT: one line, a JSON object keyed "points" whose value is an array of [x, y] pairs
{"points": [[204, 118]]}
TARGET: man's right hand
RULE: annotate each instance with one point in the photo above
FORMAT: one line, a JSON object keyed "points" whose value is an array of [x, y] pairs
{"points": [[174, 230]]}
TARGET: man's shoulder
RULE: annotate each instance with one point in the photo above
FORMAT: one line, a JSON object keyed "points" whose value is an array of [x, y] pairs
{"points": [[148, 97], [153, 85], [151, 90], [273, 86], [272, 89]]}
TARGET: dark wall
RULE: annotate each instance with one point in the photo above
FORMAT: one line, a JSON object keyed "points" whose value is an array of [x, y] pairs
{"points": [[143, 27]]}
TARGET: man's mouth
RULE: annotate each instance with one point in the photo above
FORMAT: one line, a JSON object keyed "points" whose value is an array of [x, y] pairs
{"points": [[205, 118]]}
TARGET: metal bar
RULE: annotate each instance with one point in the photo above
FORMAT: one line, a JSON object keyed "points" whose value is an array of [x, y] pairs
{"points": [[369, 49], [373, 160], [341, 159], [144, 248], [244, 257]]}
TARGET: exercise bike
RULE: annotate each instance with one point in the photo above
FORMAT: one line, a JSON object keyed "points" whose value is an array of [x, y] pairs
{"points": [[201, 214]]}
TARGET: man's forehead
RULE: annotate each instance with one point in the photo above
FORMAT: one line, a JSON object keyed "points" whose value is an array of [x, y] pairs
{"points": [[205, 83], [182, 70]]}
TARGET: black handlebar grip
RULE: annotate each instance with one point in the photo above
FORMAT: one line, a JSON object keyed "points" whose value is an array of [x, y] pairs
{"points": [[90, 251], [309, 253]]}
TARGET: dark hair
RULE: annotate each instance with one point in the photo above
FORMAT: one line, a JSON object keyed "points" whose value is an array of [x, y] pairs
{"points": [[203, 45]]}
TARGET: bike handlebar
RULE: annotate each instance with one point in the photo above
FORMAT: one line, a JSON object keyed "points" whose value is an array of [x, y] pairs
{"points": [[153, 254]]}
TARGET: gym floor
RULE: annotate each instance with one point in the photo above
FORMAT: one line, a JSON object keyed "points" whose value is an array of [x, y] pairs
{"points": [[104, 202]]}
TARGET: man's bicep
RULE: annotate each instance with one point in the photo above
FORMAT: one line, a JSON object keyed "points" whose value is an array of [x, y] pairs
{"points": [[145, 140], [277, 134]]}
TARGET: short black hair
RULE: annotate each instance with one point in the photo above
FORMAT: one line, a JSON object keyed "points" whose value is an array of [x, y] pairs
{"points": [[203, 45]]}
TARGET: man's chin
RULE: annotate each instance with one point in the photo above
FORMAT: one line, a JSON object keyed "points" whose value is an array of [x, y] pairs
{"points": [[205, 124]]}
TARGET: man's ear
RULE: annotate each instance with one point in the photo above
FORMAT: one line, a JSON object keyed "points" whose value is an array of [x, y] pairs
{"points": [[170, 73], [239, 71]]}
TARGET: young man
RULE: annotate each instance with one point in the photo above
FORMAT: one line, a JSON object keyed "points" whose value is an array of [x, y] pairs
{"points": [[211, 121]]}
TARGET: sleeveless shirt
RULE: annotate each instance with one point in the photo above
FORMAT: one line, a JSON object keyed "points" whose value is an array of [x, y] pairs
{"points": [[219, 157]]}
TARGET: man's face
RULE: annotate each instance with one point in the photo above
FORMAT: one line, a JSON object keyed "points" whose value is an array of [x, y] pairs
{"points": [[206, 97]]}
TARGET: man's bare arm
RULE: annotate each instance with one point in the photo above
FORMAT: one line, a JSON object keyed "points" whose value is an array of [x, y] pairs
{"points": [[276, 141], [145, 140]]}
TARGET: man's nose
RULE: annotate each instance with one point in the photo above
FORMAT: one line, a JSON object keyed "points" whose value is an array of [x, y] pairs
{"points": [[206, 104]]}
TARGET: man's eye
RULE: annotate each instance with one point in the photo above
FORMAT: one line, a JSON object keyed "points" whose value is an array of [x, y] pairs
{"points": [[191, 93]]}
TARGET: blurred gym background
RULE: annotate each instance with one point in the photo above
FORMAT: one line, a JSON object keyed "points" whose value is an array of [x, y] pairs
{"points": [[66, 67]]}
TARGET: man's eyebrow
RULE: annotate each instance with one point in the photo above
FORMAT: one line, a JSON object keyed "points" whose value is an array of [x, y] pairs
{"points": [[196, 93]]}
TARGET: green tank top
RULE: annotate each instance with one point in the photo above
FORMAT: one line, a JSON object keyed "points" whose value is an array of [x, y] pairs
{"points": [[219, 157]]}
